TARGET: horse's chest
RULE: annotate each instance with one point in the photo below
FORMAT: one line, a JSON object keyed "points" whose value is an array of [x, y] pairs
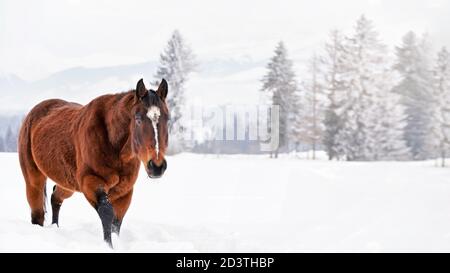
{"points": [[127, 179]]}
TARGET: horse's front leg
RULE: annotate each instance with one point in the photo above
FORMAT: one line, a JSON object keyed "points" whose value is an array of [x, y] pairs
{"points": [[95, 192], [106, 213], [121, 206]]}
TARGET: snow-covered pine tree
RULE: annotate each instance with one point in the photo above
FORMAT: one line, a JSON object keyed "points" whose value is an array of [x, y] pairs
{"points": [[413, 65], [440, 119], [310, 121], [2, 144], [363, 55], [176, 63], [332, 64], [363, 113], [281, 85], [10, 140], [389, 134]]}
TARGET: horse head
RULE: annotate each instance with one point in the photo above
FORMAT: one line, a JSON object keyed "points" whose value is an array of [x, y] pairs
{"points": [[149, 130]]}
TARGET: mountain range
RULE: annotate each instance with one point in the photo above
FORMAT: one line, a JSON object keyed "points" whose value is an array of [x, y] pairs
{"points": [[217, 81]]}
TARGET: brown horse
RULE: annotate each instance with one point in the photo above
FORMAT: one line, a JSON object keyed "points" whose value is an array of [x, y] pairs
{"points": [[95, 149]]}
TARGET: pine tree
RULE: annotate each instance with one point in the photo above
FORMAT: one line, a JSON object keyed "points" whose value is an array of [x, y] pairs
{"points": [[176, 63], [364, 118], [332, 72], [363, 54], [391, 122], [280, 85], [310, 122], [414, 88], [2, 144], [10, 140], [440, 119]]}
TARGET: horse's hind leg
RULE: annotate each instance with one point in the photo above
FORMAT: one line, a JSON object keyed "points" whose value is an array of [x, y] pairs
{"points": [[35, 188], [58, 196]]}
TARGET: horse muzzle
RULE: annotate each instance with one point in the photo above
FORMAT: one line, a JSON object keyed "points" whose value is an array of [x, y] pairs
{"points": [[155, 171]]}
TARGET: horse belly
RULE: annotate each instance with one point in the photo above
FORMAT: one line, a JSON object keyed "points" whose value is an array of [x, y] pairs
{"points": [[53, 151]]}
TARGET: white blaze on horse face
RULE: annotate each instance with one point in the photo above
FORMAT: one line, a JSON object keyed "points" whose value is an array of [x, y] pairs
{"points": [[153, 114]]}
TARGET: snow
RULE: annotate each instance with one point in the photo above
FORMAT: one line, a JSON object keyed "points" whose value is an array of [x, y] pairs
{"points": [[246, 203]]}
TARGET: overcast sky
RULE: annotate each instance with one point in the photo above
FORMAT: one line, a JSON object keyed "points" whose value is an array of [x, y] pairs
{"points": [[41, 37]]}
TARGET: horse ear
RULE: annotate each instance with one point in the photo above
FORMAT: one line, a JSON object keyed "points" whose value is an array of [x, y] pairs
{"points": [[163, 88], [141, 91]]}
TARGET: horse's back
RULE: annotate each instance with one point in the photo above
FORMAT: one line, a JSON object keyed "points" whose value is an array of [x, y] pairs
{"points": [[45, 140], [44, 109]]}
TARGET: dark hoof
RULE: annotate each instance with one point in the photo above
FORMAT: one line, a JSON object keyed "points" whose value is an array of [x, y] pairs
{"points": [[37, 218], [109, 243]]}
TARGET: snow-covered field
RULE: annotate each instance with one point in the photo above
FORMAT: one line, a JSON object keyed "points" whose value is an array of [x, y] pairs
{"points": [[250, 203]]}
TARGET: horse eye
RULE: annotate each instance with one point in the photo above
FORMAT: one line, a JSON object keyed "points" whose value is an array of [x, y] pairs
{"points": [[138, 119]]}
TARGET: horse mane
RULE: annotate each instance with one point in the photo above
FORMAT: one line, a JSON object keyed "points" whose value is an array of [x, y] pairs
{"points": [[114, 112]]}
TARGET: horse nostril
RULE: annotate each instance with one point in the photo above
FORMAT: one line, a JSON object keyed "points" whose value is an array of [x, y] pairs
{"points": [[157, 170], [164, 165]]}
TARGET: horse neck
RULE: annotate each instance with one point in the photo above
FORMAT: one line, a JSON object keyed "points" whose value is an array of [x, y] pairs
{"points": [[118, 118]]}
